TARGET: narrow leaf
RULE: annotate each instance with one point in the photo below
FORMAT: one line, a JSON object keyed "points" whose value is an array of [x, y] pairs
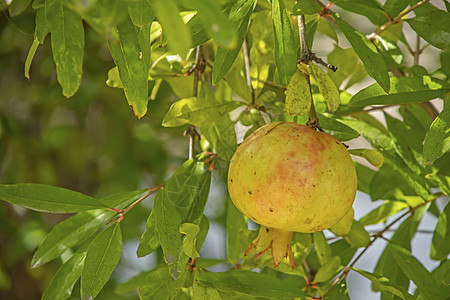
{"points": [[384, 283], [367, 52], [417, 273], [298, 95], [62, 283], [437, 140], [67, 45], [141, 12], [327, 88], [235, 224], [30, 57], [344, 225], [440, 244], [47, 198], [306, 7], [285, 50], [323, 250], [150, 238], [252, 284], [225, 57], [42, 26], [336, 128], [101, 259], [403, 90], [374, 157], [190, 231], [177, 34], [17, 6], [215, 23], [358, 236], [382, 212], [133, 69], [69, 233], [221, 135]]}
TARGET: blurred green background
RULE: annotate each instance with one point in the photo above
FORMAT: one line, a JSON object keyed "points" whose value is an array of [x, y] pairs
{"points": [[91, 143]]}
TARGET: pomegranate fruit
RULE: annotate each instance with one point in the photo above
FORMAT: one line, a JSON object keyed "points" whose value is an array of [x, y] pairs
{"points": [[288, 177]]}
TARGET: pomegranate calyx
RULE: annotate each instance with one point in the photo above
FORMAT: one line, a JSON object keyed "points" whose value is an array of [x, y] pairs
{"points": [[277, 240]]}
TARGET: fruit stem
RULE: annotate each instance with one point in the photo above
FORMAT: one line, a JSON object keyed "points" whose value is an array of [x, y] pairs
{"points": [[277, 240]]}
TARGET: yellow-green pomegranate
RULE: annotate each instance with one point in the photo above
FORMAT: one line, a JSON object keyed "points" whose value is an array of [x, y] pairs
{"points": [[288, 177]]}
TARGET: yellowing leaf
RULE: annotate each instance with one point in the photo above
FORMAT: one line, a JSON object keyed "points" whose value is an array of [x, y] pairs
{"points": [[298, 95], [326, 87], [374, 157], [344, 225]]}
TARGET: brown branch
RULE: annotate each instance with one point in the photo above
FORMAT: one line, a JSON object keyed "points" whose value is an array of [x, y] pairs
{"points": [[247, 65], [395, 20], [121, 212]]}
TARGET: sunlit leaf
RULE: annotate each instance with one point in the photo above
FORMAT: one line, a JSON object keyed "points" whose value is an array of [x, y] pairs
{"points": [[285, 50], [47, 198], [328, 270], [437, 140], [367, 52], [67, 45], [374, 157], [225, 57], [132, 66], [298, 95], [159, 284], [150, 239], [344, 225], [434, 27], [327, 88], [382, 212], [440, 244], [30, 57]]}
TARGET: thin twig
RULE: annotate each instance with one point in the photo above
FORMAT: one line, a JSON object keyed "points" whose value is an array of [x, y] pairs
{"points": [[122, 212], [395, 20], [304, 51], [377, 236], [417, 52], [247, 64]]}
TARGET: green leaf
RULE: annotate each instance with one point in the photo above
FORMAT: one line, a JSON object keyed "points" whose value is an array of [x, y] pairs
{"points": [[306, 7], [202, 292], [340, 291], [18, 6], [384, 283], [67, 45], [347, 64], [141, 12], [62, 283], [358, 237], [437, 140], [241, 18], [433, 27], [402, 237], [69, 233], [367, 52], [150, 238], [216, 24], [298, 95], [323, 250], [328, 270], [47, 198], [191, 231], [344, 225], [159, 284], [336, 128], [382, 212], [327, 88], [365, 176], [417, 273], [133, 68], [311, 28], [285, 50], [114, 78], [253, 284], [394, 7], [42, 26], [221, 134], [30, 57], [440, 244], [368, 8], [197, 111], [403, 90], [181, 201], [235, 225], [134, 283], [101, 259], [374, 157], [177, 34]]}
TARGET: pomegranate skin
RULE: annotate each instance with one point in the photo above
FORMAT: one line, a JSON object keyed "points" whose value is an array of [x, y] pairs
{"points": [[290, 177]]}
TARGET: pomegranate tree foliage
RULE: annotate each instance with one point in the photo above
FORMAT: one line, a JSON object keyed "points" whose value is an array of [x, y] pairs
{"points": [[206, 59]]}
